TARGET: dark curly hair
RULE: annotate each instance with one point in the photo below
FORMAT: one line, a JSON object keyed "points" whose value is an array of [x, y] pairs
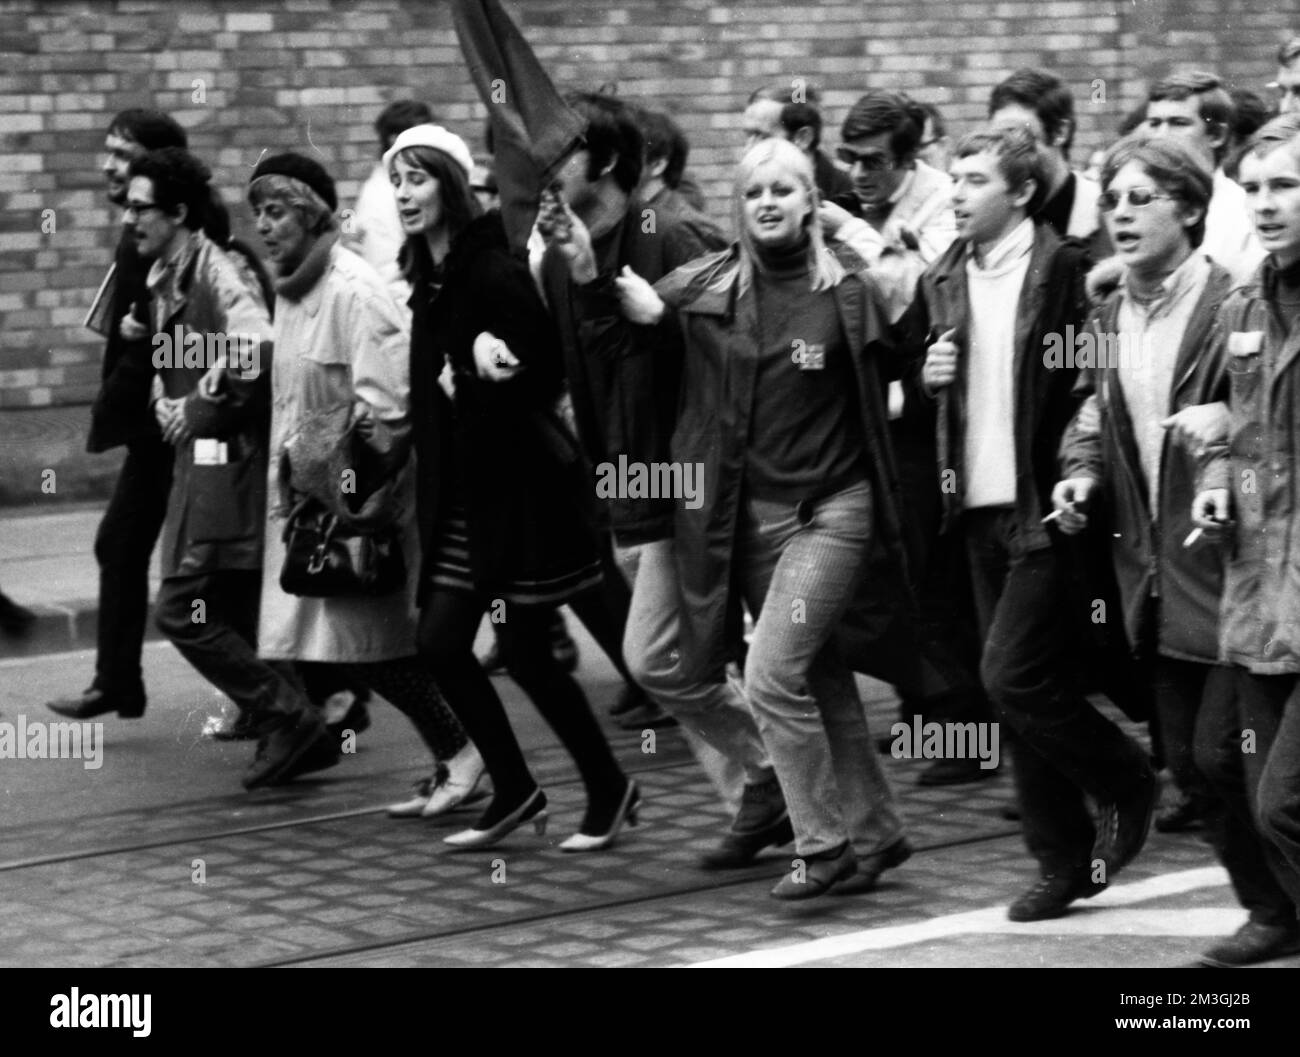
{"points": [[179, 179]]}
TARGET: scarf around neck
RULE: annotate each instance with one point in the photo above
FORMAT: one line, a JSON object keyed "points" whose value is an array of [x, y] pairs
{"points": [[299, 282]]}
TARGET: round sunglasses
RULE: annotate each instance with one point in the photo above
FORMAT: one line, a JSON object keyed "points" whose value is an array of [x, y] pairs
{"points": [[1108, 201]]}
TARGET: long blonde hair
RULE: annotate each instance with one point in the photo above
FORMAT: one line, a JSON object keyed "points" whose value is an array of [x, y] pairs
{"points": [[826, 271]]}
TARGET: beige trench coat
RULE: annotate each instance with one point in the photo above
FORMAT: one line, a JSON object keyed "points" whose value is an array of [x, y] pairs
{"points": [[346, 341]]}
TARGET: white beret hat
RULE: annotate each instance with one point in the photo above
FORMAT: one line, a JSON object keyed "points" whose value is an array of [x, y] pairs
{"points": [[438, 138]]}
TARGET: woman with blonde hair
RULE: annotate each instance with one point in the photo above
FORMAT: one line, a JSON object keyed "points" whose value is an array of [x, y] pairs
{"points": [[782, 412]]}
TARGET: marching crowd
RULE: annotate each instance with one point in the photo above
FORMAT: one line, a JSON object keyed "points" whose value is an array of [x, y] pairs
{"points": [[1000, 433]]}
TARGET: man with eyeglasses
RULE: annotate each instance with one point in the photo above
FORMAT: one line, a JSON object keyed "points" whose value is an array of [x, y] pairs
{"points": [[1168, 313], [1287, 84], [905, 222], [898, 216], [121, 415], [1196, 109]]}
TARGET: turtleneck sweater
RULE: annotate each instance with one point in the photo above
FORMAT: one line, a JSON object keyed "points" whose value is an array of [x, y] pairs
{"points": [[805, 437]]}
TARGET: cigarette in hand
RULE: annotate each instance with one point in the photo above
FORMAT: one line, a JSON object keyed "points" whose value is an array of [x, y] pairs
{"points": [[1051, 517], [1193, 536]]}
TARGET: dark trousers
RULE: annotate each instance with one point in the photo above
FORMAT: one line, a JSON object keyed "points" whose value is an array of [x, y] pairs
{"points": [[1063, 749], [1179, 687], [1259, 839], [212, 620], [949, 644], [123, 544], [448, 624]]}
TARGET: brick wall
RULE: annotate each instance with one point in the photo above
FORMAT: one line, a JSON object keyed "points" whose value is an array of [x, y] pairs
{"points": [[300, 74]]}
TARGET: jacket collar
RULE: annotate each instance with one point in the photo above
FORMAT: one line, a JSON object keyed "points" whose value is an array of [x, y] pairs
{"points": [[1269, 277], [169, 280], [1193, 345]]}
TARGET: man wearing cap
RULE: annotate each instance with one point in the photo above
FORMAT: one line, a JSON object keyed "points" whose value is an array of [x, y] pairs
{"points": [[340, 341]]}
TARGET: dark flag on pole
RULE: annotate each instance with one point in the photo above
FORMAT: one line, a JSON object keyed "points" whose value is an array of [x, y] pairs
{"points": [[533, 129]]}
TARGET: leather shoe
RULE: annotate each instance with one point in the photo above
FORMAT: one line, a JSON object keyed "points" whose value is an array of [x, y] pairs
{"points": [[95, 702], [870, 867], [762, 821], [820, 872], [1051, 896], [1254, 942], [1123, 825], [321, 755], [279, 750], [1181, 815]]}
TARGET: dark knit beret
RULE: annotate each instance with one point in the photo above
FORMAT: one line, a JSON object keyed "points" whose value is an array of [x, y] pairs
{"points": [[300, 167]]}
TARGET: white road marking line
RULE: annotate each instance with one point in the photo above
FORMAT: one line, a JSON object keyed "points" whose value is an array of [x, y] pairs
{"points": [[994, 919], [89, 651]]}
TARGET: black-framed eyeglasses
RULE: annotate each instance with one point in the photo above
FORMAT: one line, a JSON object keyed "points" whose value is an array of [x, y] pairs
{"points": [[1108, 201], [870, 162], [138, 209]]}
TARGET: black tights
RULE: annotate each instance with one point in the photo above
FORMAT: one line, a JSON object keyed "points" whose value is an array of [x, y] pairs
{"points": [[405, 683], [448, 624]]}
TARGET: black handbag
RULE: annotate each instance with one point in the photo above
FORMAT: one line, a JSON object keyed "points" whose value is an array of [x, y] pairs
{"points": [[321, 561]]}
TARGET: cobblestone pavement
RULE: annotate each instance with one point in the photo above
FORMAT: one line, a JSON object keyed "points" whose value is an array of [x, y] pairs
{"points": [[158, 859]]}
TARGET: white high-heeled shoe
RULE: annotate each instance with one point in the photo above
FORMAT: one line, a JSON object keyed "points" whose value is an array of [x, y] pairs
{"points": [[459, 785], [627, 811], [533, 809], [411, 807]]}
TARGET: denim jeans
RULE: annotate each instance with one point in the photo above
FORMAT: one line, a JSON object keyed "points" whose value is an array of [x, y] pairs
{"points": [[800, 565], [1062, 748], [222, 646], [714, 716]]}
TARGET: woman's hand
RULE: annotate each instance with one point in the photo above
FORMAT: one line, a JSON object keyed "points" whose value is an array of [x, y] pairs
{"points": [[1200, 426], [131, 328], [638, 299], [832, 217], [171, 417], [560, 227], [493, 359]]}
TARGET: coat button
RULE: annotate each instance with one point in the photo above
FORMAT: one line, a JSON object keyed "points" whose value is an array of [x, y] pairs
{"points": [[804, 511]]}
